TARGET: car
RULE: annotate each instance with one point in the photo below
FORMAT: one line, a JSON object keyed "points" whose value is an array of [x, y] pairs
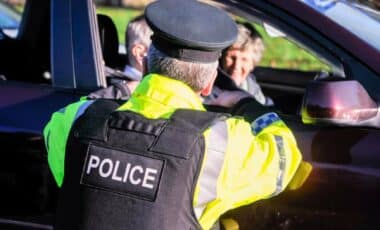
{"points": [[333, 111], [9, 20]]}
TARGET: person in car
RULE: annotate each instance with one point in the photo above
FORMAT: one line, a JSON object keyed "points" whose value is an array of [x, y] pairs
{"points": [[160, 160], [239, 60], [137, 42]]}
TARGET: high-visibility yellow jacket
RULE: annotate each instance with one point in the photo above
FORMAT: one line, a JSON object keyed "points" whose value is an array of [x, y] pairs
{"points": [[259, 161]]}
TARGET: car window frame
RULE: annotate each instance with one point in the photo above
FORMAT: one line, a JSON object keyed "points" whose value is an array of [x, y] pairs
{"points": [[75, 47]]}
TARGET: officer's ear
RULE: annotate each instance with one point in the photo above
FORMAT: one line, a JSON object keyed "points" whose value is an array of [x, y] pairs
{"points": [[208, 89]]}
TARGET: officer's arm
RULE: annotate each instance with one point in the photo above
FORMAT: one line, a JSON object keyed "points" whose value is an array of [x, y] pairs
{"points": [[251, 111], [56, 133], [259, 164]]}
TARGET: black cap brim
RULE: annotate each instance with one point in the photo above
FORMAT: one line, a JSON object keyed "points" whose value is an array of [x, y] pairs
{"points": [[190, 30]]}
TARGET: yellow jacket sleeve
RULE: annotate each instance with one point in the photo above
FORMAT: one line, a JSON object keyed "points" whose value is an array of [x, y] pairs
{"points": [[56, 133], [260, 161], [257, 166]]}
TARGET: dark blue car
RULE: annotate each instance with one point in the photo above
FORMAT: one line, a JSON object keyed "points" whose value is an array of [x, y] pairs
{"points": [[333, 110]]}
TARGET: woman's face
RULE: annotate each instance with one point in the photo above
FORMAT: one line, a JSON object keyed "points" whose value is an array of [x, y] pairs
{"points": [[238, 63]]}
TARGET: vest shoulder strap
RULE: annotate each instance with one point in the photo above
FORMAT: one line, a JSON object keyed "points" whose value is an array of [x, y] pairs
{"points": [[93, 123], [175, 136]]}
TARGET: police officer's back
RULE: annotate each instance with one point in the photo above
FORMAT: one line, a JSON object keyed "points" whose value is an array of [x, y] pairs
{"points": [[160, 161]]}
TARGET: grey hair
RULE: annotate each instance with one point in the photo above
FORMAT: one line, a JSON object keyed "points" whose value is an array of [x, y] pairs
{"points": [[196, 75], [246, 40], [138, 32]]}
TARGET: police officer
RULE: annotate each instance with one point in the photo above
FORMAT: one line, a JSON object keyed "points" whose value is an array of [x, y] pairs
{"points": [[160, 160]]}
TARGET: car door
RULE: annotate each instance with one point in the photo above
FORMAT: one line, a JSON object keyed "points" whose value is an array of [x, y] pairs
{"points": [[341, 192], [54, 61]]}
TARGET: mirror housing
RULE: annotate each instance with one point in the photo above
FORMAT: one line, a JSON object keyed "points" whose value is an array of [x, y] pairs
{"points": [[337, 101]]}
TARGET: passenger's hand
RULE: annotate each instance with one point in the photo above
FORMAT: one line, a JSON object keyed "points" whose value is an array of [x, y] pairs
{"points": [[229, 98]]}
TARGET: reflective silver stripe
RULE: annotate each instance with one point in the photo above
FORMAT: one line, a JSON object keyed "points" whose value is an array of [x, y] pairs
{"points": [[282, 165], [212, 165]]}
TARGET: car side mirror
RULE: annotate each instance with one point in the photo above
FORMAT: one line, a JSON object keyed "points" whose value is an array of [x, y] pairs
{"points": [[336, 101]]}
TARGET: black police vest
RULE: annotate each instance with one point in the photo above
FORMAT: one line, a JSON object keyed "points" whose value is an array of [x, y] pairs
{"points": [[124, 171]]}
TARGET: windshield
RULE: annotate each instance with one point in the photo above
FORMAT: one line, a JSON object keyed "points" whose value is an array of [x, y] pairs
{"points": [[9, 18], [350, 17]]}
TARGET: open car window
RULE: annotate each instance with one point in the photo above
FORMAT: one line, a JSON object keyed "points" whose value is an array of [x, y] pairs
{"points": [[290, 61], [284, 52]]}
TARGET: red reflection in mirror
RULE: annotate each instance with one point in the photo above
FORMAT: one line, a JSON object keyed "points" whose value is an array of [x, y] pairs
{"points": [[341, 100]]}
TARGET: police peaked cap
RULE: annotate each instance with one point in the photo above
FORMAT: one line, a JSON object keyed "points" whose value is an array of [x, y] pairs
{"points": [[190, 30]]}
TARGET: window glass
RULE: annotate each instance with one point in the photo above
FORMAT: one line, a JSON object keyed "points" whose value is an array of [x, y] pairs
{"points": [[25, 56], [282, 53], [279, 51], [120, 17], [10, 18]]}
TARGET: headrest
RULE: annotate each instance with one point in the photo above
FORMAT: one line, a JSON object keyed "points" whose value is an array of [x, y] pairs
{"points": [[109, 40]]}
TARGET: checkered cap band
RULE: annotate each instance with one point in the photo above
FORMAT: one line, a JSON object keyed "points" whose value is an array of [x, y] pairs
{"points": [[264, 121]]}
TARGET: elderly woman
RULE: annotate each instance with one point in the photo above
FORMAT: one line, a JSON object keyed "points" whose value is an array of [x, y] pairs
{"points": [[239, 60]]}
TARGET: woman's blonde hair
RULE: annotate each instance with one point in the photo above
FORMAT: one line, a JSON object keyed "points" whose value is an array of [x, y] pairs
{"points": [[249, 39]]}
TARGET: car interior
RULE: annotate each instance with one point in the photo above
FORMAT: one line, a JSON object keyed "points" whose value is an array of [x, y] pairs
{"points": [[110, 42], [27, 57]]}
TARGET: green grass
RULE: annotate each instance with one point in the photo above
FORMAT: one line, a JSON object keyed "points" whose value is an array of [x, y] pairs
{"points": [[121, 17], [279, 52]]}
